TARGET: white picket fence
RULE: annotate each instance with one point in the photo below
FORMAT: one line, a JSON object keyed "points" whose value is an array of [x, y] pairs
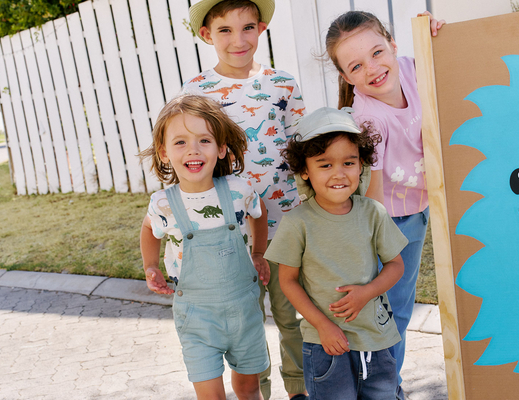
{"points": [[79, 95]]}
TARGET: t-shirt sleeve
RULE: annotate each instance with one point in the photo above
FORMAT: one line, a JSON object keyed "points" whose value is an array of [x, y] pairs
{"points": [[156, 215], [292, 118], [287, 246], [390, 240]]}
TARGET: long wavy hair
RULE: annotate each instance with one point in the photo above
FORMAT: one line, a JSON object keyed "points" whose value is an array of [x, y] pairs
{"points": [[223, 128]]}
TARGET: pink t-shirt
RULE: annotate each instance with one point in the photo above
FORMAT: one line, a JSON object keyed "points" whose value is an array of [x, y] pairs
{"points": [[400, 154]]}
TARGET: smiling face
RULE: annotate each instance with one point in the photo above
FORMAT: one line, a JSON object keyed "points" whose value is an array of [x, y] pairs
{"points": [[192, 150], [335, 175], [235, 39], [369, 63]]}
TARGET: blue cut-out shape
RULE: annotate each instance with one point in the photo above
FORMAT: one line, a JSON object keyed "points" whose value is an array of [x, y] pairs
{"points": [[492, 273]]}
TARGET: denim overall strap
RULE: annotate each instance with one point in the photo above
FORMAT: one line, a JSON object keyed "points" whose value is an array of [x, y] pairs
{"points": [[216, 266], [177, 207], [224, 194]]}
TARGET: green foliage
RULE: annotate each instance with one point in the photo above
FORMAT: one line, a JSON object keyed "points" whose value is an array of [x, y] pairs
{"points": [[19, 15], [514, 5]]}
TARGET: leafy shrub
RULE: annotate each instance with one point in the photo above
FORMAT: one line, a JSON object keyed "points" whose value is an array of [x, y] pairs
{"points": [[19, 15]]}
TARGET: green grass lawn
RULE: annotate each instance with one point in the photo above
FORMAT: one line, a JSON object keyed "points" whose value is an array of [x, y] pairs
{"points": [[97, 235]]}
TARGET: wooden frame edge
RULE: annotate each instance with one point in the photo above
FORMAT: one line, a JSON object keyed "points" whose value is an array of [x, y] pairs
{"points": [[438, 207]]}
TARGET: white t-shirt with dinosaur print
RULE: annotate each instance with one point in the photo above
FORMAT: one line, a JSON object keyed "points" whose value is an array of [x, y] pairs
{"points": [[205, 212], [268, 107]]}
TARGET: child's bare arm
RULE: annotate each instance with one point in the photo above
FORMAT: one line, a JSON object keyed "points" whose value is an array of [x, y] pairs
{"points": [[435, 24], [332, 337], [259, 230], [376, 189], [358, 296], [150, 250]]}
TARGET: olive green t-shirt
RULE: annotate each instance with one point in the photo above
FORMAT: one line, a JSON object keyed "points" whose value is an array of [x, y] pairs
{"points": [[337, 250]]}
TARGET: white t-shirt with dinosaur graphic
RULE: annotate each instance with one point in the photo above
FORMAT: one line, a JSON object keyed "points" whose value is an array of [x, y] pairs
{"points": [[204, 211], [268, 107]]}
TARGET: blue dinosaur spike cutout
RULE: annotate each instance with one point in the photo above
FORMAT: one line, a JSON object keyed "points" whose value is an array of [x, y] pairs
{"points": [[492, 273]]}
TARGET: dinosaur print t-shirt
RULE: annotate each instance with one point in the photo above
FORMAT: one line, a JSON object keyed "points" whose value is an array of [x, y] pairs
{"points": [[205, 212], [268, 107]]}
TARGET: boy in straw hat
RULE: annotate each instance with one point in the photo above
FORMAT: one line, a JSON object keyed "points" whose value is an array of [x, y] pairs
{"points": [[330, 245], [267, 104]]}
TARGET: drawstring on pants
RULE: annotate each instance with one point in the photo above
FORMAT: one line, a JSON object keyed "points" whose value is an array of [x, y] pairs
{"points": [[364, 360]]}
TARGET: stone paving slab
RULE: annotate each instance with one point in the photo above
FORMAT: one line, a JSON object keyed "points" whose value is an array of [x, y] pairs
{"points": [[130, 289], [2, 271], [81, 284], [58, 345]]}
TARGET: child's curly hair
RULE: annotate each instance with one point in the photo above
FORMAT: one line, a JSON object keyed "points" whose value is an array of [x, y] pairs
{"points": [[298, 151], [223, 128]]}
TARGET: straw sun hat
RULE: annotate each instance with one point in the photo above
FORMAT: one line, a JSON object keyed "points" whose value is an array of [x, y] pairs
{"points": [[198, 11]]}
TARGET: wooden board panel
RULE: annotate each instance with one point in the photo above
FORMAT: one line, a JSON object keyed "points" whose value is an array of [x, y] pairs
{"points": [[104, 97], [67, 120], [163, 34], [30, 115], [76, 102], [104, 171], [119, 93], [185, 42], [21, 127], [476, 64], [132, 74], [51, 103], [13, 142], [41, 112]]}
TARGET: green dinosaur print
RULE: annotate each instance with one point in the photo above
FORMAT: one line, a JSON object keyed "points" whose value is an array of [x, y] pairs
{"points": [[260, 96], [280, 79], [209, 85], [175, 241], [266, 161], [210, 211]]}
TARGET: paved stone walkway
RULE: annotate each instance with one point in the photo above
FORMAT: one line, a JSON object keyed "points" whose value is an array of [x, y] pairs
{"points": [[56, 345]]}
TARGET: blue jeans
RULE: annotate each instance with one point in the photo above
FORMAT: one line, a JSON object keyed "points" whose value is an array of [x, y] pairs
{"points": [[402, 295], [341, 377]]}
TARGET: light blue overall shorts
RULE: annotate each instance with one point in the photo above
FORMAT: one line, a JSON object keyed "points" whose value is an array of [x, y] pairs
{"points": [[216, 307]]}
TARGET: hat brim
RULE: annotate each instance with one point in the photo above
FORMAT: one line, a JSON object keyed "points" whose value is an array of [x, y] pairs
{"points": [[198, 11]]}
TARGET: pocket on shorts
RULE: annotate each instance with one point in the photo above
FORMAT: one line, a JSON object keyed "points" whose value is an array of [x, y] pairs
{"points": [[182, 312], [323, 363]]}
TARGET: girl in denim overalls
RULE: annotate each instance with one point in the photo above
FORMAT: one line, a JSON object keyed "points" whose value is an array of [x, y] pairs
{"points": [[216, 311]]}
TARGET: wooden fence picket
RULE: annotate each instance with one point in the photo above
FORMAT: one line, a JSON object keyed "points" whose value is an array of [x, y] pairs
{"points": [[119, 93], [41, 112], [134, 79], [168, 63], [56, 67], [82, 92], [76, 103], [104, 171], [30, 115], [12, 132], [51, 103], [21, 127], [104, 98]]}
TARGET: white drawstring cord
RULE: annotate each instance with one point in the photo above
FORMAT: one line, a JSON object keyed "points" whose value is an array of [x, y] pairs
{"points": [[363, 361]]}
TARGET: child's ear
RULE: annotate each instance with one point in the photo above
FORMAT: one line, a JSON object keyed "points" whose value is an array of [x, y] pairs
{"points": [[163, 156], [304, 175], [394, 46], [222, 152], [206, 34], [262, 27]]}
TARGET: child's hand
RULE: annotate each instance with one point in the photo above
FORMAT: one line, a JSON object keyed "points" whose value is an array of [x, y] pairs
{"points": [[156, 282], [351, 304], [333, 340], [262, 266], [435, 24]]}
